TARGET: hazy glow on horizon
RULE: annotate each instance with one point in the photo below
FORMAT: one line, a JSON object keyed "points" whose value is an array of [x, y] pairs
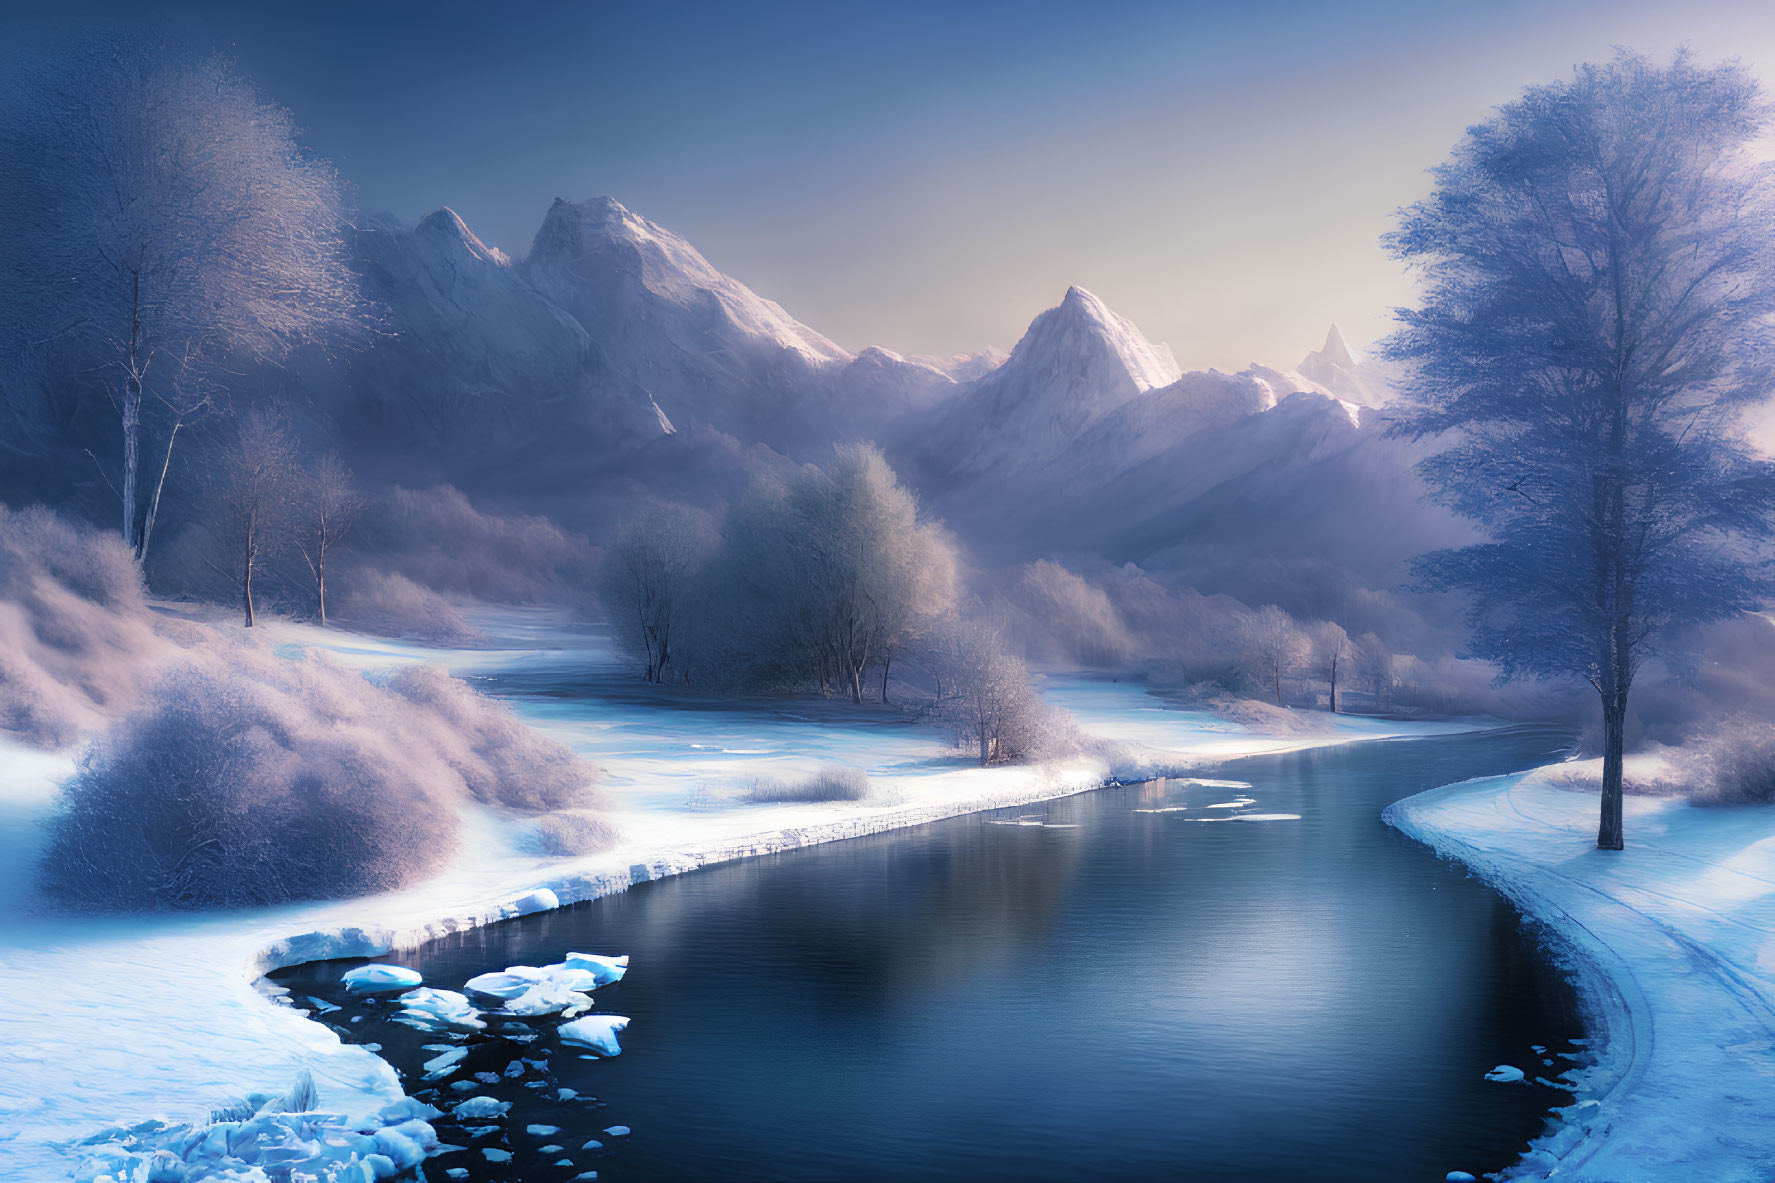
{"points": [[926, 179]]}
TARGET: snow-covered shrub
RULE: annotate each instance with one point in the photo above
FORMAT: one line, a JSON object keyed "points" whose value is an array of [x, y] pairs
{"points": [[1735, 765], [500, 759], [831, 782], [249, 780], [566, 834], [391, 604], [246, 779], [76, 635]]}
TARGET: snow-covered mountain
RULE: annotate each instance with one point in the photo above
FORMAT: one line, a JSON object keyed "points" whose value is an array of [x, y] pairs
{"points": [[1345, 372], [705, 347], [1077, 362], [473, 356]]}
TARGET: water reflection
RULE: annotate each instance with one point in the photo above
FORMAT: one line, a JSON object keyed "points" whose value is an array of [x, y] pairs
{"points": [[1145, 995]]}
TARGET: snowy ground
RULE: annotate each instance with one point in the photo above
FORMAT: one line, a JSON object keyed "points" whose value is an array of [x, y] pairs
{"points": [[1672, 942], [115, 1020]]}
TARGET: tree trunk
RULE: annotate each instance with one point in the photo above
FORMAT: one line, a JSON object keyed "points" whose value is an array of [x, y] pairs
{"points": [[320, 580], [132, 418], [985, 748], [1334, 691], [246, 589], [1278, 685], [154, 501], [886, 662], [1609, 834]]}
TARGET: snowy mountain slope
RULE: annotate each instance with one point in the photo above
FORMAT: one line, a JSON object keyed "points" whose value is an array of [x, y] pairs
{"points": [[474, 357], [1346, 373], [1076, 363], [704, 346]]}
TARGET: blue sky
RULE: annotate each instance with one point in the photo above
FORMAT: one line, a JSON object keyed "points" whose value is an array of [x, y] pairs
{"points": [[930, 176]]}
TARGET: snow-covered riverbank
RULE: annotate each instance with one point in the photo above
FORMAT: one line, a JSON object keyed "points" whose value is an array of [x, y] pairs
{"points": [[115, 1020], [1672, 943]]}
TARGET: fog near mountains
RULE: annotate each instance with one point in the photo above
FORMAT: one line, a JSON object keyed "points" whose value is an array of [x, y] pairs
{"points": [[612, 366]]}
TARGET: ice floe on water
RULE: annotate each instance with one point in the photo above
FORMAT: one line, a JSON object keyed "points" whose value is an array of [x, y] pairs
{"points": [[597, 1032], [371, 979], [1265, 817], [1036, 823], [1235, 803], [1210, 784], [438, 1010], [1505, 1074]]}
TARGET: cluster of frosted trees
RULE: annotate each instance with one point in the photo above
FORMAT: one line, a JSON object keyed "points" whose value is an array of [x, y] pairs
{"points": [[1280, 651], [828, 583], [163, 234]]}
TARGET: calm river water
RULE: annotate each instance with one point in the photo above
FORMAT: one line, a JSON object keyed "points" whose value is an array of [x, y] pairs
{"points": [[1114, 995]]}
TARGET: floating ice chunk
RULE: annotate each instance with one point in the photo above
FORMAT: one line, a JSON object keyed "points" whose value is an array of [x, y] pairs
{"points": [[1266, 817], [1459, 1177], [482, 1106], [403, 1151], [457, 1173], [585, 1177], [1236, 803], [366, 979], [593, 1144], [548, 998], [1211, 784], [566, 1094], [597, 1032], [1505, 1074], [480, 1131], [540, 900], [441, 1066], [542, 1131], [494, 1155], [513, 982], [605, 970], [554, 1148], [1166, 809], [463, 1086], [617, 1131], [438, 1010]]}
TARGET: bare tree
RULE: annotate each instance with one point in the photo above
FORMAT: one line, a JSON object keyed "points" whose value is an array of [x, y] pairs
{"points": [[1374, 670], [1331, 653], [257, 480], [1274, 646], [157, 220], [332, 505], [645, 583]]}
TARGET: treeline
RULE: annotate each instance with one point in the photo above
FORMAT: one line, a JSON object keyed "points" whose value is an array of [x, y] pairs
{"points": [[829, 583]]}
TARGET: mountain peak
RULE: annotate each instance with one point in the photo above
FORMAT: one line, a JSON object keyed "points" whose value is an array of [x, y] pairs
{"points": [[1083, 322], [1337, 351]]}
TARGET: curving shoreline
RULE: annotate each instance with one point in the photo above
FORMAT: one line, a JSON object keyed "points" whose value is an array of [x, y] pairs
{"points": [[1678, 993]]}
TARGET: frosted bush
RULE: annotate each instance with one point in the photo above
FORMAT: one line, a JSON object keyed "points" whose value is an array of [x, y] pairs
{"points": [[1736, 765], [76, 635], [247, 782], [564, 835], [245, 779], [393, 605], [502, 761], [832, 782]]}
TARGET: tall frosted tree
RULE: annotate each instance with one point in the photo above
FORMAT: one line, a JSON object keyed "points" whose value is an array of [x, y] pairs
{"points": [[1598, 275], [160, 225]]}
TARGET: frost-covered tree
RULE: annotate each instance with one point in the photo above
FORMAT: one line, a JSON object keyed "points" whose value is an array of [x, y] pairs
{"points": [[1274, 646], [331, 506], [820, 581], [158, 222], [258, 480], [984, 695], [1331, 655], [872, 570], [1374, 670], [1598, 290], [646, 583]]}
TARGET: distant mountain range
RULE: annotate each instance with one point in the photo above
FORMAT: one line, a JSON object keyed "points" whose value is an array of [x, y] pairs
{"points": [[614, 355]]}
